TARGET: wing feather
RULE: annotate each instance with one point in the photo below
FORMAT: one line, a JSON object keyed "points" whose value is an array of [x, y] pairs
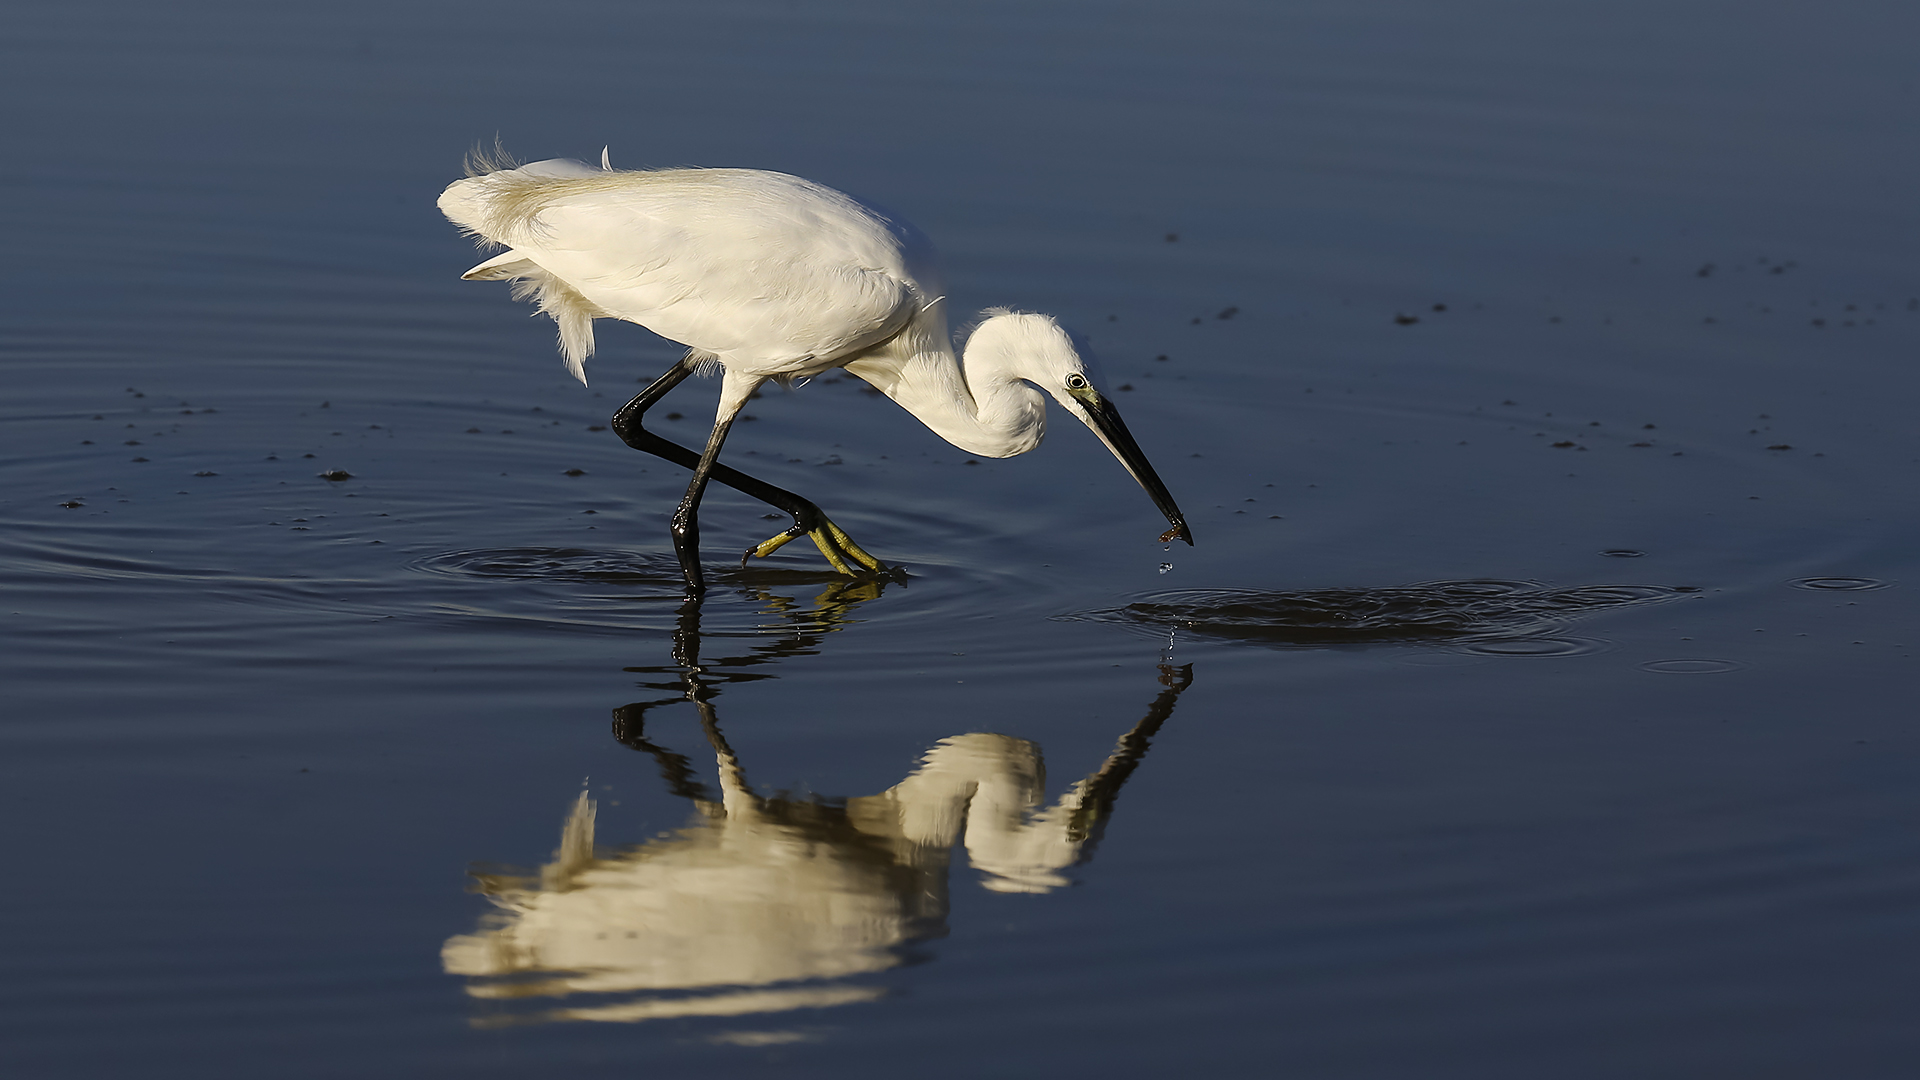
{"points": [[747, 265]]}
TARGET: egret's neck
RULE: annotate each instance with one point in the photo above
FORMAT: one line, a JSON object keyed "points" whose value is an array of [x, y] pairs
{"points": [[975, 402]]}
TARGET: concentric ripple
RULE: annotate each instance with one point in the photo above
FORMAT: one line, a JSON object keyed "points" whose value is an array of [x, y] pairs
{"points": [[1691, 666], [1840, 584], [1432, 613], [1537, 646]]}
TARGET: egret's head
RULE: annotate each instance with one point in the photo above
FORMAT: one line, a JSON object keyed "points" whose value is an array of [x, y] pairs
{"points": [[1030, 347], [1037, 349]]}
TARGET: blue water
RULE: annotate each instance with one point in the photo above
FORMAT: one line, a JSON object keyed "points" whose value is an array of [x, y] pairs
{"points": [[1473, 738]]}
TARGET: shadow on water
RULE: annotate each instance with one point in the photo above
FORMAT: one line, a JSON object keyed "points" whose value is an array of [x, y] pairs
{"points": [[620, 591], [764, 904], [1500, 617], [655, 573]]}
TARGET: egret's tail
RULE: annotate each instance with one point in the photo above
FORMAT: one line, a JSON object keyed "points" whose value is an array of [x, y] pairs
{"points": [[494, 207]]}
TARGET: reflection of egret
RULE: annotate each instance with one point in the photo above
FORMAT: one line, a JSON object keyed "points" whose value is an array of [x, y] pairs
{"points": [[770, 276], [761, 904], [798, 632]]}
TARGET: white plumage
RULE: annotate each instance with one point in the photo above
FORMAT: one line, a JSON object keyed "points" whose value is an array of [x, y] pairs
{"points": [[773, 277]]}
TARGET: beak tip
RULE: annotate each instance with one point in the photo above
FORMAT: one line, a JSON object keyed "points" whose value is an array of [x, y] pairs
{"points": [[1100, 415]]}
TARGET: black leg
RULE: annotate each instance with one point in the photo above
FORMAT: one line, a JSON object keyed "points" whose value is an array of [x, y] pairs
{"points": [[626, 424], [686, 520], [839, 549]]}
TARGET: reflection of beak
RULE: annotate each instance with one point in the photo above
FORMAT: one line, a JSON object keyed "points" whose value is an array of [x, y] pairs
{"points": [[1104, 419]]}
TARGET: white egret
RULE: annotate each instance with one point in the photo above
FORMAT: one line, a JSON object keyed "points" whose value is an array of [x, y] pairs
{"points": [[773, 277]]}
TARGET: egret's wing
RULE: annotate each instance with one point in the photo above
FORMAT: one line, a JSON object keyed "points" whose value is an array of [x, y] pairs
{"points": [[750, 265], [559, 168], [507, 264]]}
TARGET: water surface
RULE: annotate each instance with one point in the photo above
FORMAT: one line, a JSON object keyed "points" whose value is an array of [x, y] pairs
{"points": [[1535, 701]]}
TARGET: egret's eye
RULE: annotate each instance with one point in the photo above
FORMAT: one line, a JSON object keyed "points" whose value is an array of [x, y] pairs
{"points": [[1076, 381]]}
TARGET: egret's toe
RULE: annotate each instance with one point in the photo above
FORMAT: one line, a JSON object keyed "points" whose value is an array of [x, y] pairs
{"points": [[841, 552], [849, 550], [772, 544], [824, 541]]}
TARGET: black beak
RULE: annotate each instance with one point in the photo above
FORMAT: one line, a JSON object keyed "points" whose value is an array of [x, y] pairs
{"points": [[1105, 421]]}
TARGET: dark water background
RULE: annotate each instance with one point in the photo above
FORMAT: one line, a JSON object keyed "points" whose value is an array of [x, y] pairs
{"points": [[1537, 701]]}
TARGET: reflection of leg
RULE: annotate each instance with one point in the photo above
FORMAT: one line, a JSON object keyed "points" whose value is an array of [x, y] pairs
{"points": [[833, 605], [686, 639], [1103, 787], [735, 793], [675, 769]]}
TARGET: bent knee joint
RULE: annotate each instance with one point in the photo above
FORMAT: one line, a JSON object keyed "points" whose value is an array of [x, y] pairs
{"points": [[633, 434]]}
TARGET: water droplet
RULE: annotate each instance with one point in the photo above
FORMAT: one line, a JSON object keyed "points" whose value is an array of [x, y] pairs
{"points": [[1165, 566]]}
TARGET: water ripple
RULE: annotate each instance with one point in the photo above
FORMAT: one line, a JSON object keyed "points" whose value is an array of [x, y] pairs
{"points": [[1691, 666], [558, 565], [1840, 584], [1506, 618]]}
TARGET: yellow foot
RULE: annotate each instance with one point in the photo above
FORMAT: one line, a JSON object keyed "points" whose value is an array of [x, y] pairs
{"points": [[839, 548]]}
